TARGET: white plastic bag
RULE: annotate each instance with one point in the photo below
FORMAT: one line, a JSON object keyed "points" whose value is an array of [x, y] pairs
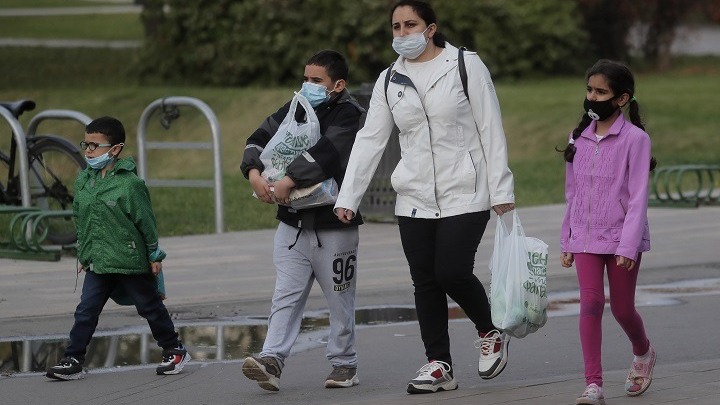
{"points": [[323, 193], [518, 287], [291, 139]]}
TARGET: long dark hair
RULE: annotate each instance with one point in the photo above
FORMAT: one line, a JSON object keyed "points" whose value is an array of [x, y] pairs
{"points": [[621, 81], [426, 13]]}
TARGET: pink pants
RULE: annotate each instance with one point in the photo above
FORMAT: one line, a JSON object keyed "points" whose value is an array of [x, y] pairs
{"points": [[590, 271]]}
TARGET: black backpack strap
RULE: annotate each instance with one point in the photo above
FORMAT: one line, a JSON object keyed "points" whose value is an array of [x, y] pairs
{"points": [[463, 71], [387, 81]]}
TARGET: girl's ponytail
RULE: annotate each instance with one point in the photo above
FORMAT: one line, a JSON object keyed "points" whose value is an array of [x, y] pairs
{"points": [[634, 113], [569, 151]]}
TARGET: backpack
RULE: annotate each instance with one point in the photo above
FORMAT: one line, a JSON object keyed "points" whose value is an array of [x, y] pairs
{"points": [[461, 68]]}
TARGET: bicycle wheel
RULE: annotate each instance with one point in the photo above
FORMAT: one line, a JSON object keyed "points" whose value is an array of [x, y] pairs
{"points": [[54, 166]]}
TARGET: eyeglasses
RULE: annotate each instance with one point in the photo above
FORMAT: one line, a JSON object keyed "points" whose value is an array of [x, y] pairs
{"points": [[91, 146]]}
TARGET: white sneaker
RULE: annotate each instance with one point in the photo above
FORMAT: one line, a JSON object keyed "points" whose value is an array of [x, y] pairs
{"points": [[593, 395], [493, 347], [433, 377]]}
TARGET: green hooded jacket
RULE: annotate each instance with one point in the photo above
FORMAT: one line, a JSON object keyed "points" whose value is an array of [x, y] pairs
{"points": [[115, 222]]}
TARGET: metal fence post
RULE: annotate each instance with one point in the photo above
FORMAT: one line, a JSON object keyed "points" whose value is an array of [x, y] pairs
{"points": [[143, 145]]}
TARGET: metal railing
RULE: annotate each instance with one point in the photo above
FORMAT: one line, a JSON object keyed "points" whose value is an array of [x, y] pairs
{"points": [[685, 186], [168, 107]]}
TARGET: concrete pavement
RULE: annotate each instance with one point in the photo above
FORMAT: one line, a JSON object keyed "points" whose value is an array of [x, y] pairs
{"points": [[215, 276]]}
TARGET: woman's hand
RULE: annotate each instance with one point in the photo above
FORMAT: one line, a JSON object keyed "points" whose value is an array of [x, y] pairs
{"points": [[623, 261], [503, 208], [344, 215], [260, 186], [566, 259], [80, 268], [156, 267]]}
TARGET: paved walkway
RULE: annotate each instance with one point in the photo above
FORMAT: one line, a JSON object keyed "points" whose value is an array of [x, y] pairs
{"points": [[214, 276]]}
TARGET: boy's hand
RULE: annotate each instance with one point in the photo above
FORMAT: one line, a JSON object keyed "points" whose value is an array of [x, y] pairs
{"points": [[282, 189], [260, 186], [156, 267]]}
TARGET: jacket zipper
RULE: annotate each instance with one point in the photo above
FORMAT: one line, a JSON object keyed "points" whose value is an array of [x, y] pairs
{"points": [[592, 171]]}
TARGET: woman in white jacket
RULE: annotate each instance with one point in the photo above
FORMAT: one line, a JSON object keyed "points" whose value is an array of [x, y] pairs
{"points": [[453, 169]]}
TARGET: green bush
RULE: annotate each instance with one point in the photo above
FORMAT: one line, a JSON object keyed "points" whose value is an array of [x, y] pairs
{"points": [[264, 42]]}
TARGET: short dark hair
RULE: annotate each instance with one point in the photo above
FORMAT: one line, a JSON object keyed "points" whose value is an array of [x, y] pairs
{"points": [[108, 126], [334, 63]]}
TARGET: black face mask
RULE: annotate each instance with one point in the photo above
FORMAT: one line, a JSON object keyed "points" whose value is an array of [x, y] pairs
{"points": [[600, 110]]}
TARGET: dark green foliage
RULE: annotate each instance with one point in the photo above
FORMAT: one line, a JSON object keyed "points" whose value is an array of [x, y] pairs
{"points": [[266, 42]]}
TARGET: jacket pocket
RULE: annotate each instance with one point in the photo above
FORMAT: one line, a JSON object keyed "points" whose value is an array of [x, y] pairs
{"points": [[468, 175], [402, 179]]}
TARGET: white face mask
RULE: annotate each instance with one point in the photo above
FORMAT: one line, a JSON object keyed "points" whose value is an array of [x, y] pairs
{"points": [[412, 45]]}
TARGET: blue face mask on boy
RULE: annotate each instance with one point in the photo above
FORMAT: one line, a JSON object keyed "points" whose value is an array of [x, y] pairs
{"points": [[315, 93], [99, 162]]}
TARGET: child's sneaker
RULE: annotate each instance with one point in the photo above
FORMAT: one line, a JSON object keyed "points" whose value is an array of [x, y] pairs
{"points": [[173, 361], [433, 377], [592, 395], [640, 375], [68, 368], [493, 347], [342, 377], [265, 370]]}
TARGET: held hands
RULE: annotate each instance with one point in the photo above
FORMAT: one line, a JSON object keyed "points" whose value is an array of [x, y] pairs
{"points": [[503, 208], [344, 215], [566, 259]]}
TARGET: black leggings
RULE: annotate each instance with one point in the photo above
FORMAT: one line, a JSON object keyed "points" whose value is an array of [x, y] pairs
{"points": [[441, 255]]}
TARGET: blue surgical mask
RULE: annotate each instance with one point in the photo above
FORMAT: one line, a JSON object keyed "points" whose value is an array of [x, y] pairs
{"points": [[412, 45], [315, 93], [99, 162]]}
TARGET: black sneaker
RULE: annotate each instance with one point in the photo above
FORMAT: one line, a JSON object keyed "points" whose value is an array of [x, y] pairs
{"points": [[342, 377], [265, 370], [173, 361], [68, 368]]}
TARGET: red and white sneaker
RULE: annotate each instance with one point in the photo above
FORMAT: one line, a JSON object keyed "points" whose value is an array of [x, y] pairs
{"points": [[493, 347], [640, 375], [173, 361], [433, 377]]}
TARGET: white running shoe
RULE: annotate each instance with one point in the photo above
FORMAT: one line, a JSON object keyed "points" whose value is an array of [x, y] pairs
{"points": [[493, 347], [433, 377]]}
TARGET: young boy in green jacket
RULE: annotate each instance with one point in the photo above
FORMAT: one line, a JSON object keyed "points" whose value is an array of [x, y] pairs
{"points": [[117, 249]]}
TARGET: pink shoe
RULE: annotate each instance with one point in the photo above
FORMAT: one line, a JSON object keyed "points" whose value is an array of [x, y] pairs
{"points": [[640, 376], [593, 395]]}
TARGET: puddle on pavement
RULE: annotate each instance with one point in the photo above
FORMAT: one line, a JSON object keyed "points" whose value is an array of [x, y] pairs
{"points": [[237, 338]]}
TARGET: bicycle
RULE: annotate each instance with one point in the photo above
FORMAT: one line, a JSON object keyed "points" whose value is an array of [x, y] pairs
{"points": [[53, 164]]}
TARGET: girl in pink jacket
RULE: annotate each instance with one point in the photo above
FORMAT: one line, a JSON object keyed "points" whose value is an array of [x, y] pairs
{"points": [[605, 224]]}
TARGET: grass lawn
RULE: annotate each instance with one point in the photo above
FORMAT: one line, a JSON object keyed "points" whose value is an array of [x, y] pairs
{"points": [[679, 108], [60, 3], [118, 27]]}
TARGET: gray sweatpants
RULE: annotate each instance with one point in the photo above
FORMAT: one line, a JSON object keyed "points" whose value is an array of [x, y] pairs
{"points": [[334, 266]]}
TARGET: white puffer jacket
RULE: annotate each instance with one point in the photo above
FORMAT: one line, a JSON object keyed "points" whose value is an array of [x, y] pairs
{"points": [[453, 152]]}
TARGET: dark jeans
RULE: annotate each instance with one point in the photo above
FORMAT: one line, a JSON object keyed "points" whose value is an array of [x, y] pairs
{"points": [[441, 255], [142, 289]]}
